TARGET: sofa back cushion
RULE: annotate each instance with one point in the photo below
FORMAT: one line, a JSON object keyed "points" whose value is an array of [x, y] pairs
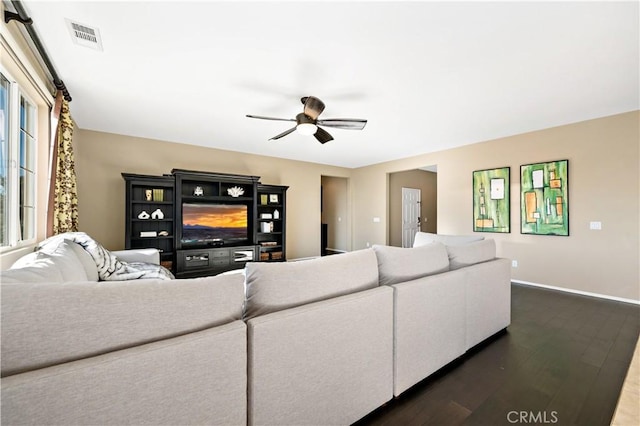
{"points": [[273, 287], [50, 323], [423, 238], [58, 265], [472, 253], [397, 264]]}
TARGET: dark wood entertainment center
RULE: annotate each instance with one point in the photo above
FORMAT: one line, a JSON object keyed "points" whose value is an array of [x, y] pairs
{"points": [[157, 208]]}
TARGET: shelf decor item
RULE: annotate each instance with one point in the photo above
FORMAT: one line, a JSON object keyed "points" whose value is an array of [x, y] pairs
{"points": [[491, 200], [158, 194], [544, 198], [198, 191], [276, 214], [273, 198], [147, 194], [143, 215], [157, 214], [235, 191]]}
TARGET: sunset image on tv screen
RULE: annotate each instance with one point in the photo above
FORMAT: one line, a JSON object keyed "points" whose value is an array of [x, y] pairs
{"points": [[205, 222]]}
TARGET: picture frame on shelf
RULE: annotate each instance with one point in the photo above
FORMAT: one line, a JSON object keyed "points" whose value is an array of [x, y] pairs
{"points": [[264, 199], [273, 198]]}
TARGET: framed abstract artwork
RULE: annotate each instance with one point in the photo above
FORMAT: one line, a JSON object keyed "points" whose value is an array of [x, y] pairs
{"points": [[544, 198], [491, 200]]}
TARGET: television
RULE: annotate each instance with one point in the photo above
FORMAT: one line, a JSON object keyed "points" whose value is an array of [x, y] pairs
{"points": [[214, 224]]}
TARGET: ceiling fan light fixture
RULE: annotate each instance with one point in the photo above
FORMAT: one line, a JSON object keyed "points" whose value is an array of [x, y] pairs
{"points": [[307, 121], [307, 128]]}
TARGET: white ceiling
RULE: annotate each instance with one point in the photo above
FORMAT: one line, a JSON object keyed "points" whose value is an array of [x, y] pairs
{"points": [[427, 75]]}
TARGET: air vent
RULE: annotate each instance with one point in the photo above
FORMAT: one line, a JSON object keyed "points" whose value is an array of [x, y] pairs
{"points": [[84, 35]]}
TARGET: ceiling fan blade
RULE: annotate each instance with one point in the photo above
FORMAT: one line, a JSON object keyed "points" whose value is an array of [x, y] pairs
{"points": [[323, 136], [313, 107], [261, 117], [285, 133], [344, 123]]}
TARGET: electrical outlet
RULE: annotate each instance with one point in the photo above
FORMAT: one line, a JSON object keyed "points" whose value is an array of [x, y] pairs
{"points": [[514, 263], [595, 226], [368, 244]]}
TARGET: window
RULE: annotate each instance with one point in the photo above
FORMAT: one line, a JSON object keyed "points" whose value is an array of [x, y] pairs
{"points": [[18, 116]]}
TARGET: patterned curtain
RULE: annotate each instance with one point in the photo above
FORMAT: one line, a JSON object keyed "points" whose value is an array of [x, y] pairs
{"points": [[63, 198]]}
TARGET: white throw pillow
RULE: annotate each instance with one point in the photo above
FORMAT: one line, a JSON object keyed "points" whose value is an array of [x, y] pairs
{"points": [[87, 261], [25, 260], [41, 270], [65, 259]]}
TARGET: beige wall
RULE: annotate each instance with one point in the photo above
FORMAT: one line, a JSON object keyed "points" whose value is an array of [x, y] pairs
{"points": [[335, 212], [426, 182], [101, 157], [604, 186]]}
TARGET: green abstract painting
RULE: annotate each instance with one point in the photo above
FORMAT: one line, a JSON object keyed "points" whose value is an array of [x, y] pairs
{"points": [[491, 200], [544, 198]]}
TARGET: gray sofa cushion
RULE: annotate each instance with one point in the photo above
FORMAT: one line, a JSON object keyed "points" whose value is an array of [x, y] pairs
{"points": [[49, 323], [273, 287], [472, 253], [196, 379], [396, 264], [325, 363], [423, 238]]}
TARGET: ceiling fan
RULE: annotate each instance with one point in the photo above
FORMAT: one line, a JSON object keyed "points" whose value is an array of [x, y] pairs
{"points": [[307, 122]]}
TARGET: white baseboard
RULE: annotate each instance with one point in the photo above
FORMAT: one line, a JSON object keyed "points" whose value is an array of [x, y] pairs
{"points": [[582, 293]]}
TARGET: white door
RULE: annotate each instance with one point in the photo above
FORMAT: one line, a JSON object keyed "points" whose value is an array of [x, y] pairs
{"points": [[410, 215]]}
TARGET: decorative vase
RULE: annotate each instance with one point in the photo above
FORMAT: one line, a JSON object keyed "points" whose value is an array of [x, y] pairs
{"points": [[157, 214]]}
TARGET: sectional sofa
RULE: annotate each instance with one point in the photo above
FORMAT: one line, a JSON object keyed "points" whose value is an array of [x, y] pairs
{"points": [[321, 341]]}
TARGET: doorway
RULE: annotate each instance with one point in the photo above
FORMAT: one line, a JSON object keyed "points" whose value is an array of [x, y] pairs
{"points": [[425, 179], [334, 214], [411, 200]]}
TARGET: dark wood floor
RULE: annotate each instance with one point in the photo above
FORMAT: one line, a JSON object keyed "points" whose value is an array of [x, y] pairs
{"points": [[562, 361]]}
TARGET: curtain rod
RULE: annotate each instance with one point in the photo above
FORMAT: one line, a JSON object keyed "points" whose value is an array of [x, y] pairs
{"points": [[21, 16]]}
